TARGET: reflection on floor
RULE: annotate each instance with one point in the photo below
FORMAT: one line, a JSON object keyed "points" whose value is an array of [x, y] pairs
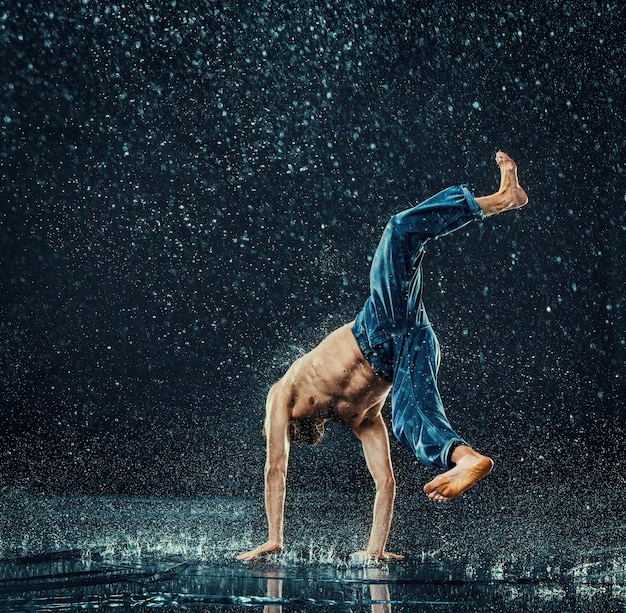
{"points": [[75, 583]]}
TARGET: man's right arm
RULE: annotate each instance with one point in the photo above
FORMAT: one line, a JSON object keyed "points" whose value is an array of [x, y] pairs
{"points": [[277, 455]]}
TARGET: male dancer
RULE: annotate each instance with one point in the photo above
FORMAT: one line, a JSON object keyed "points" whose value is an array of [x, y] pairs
{"points": [[389, 348]]}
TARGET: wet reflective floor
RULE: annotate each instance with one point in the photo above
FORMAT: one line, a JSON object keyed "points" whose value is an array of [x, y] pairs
{"points": [[71, 584], [65, 553]]}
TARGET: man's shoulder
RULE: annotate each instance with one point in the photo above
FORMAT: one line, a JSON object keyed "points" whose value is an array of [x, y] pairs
{"points": [[341, 338]]}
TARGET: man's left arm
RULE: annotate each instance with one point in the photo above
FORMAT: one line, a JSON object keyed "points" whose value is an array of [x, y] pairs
{"points": [[277, 455], [375, 441]]}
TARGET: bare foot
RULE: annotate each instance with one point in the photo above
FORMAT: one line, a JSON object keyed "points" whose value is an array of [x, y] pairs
{"points": [[469, 468], [511, 195]]}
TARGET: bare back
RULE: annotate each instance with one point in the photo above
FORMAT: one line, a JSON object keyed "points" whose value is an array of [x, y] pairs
{"points": [[334, 381]]}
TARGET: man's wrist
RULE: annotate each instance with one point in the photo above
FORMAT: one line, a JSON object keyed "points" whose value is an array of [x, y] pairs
{"points": [[276, 542]]}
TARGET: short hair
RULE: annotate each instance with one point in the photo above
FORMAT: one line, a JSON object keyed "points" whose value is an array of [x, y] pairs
{"points": [[305, 431]]}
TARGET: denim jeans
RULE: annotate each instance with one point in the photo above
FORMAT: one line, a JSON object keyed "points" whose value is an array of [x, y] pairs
{"points": [[393, 331]]}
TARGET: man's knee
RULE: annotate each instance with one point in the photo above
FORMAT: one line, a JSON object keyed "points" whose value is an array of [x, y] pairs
{"points": [[394, 225], [394, 233]]}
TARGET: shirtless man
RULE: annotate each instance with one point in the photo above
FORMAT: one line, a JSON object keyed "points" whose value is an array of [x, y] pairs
{"points": [[390, 348]]}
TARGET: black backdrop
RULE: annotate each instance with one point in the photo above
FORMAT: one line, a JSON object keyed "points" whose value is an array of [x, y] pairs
{"points": [[191, 192]]}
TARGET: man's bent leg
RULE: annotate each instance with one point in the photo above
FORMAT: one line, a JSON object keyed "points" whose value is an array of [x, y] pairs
{"points": [[419, 420], [418, 417]]}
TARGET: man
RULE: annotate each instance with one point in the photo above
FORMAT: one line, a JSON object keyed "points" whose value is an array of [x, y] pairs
{"points": [[389, 348]]}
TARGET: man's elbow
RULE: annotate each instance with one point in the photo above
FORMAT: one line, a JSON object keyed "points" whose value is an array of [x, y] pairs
{"points": [[386, 483], [275, 473]]}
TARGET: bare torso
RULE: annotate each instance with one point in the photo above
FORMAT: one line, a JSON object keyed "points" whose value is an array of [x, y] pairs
{"points": [[334, 381]]}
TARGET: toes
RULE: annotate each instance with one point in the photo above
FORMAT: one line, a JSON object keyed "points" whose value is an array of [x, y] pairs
{"points": [[501, 156], [437, 497]]}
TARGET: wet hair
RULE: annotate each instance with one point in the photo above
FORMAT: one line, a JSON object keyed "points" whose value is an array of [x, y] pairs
{"points": [[305, 432]]}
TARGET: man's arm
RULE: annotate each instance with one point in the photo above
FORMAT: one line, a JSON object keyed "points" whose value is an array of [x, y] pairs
{"points": [[277, 455], [375, 440]]}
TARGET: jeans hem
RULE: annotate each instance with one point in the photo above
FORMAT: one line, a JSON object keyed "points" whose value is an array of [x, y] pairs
{"points": [[472, 203], [446, 452]]}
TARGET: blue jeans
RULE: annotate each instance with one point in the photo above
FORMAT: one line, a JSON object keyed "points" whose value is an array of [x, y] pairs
{"points": [[393, 331]]}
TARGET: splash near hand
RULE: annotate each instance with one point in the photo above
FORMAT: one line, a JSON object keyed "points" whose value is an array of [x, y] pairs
{"points": [[366, 558], [267, 548]]}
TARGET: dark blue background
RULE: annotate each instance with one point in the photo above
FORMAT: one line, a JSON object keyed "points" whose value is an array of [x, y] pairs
{"points": [[191, 192]]}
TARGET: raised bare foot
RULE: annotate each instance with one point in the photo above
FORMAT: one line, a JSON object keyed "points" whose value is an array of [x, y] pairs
{"points": [[469, 467], [511, 195]]}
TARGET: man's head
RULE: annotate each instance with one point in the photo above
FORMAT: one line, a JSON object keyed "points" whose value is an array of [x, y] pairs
{"points": [[306, 431]]}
